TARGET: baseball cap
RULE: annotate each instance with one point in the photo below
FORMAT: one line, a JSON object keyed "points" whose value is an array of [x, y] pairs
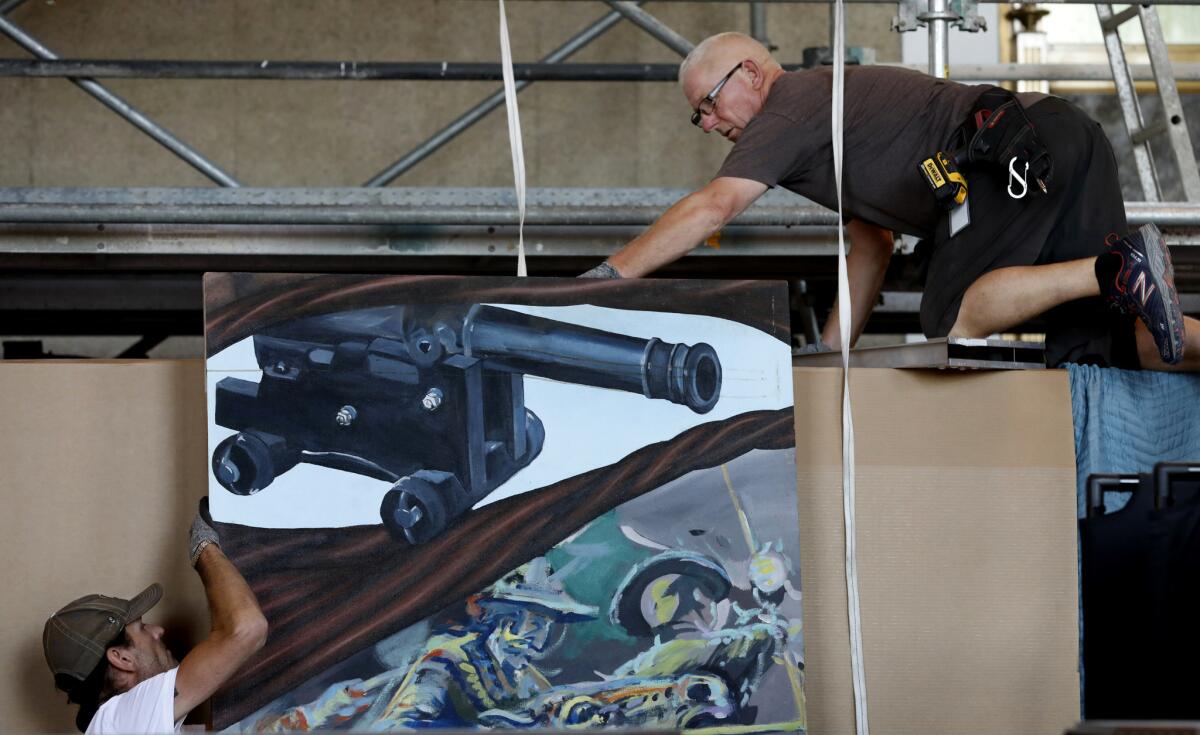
{"points": [[75, 637]]}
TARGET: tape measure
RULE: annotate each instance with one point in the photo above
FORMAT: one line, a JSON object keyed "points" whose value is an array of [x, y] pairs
{"points": [[947, 182]]}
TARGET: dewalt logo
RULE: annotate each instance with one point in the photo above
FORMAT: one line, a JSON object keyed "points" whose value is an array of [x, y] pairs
{"points": [[931, 171]]}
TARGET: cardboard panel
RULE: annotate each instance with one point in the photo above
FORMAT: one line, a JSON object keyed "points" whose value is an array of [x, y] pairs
{"points": [[103, 464], [966, 550], [966, 520]]}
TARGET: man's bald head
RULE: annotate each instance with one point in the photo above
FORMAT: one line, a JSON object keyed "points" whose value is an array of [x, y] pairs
{"points": [[717, 54], [738, 69]]}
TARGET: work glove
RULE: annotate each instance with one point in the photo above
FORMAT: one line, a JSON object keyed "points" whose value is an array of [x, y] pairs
{"points": [[201, 533], [813, 348], [604, 270]]}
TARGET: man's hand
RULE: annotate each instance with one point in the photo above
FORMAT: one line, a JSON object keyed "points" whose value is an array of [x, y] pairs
{"points": [[604, 270], [201, 533]]}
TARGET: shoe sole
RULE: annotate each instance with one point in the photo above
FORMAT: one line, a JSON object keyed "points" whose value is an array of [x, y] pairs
{"points": [[1162, 273]]}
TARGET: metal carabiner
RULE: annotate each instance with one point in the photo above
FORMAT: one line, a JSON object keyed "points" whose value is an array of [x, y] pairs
{"points": [[1014, 176]]}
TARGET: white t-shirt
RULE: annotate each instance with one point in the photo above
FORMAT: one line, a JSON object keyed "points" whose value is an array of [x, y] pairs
{"points": [[147, 708]]}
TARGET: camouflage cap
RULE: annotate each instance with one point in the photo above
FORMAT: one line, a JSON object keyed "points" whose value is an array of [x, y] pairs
{"points": [[75, 637]]}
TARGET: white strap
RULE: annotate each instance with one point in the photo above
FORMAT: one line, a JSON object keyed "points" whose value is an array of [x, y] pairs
{"points": [[514, 137], [844, 322]]}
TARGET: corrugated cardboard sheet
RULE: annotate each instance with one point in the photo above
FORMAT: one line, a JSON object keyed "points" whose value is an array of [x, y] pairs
{"points": [[966, 550], [966, 523]]}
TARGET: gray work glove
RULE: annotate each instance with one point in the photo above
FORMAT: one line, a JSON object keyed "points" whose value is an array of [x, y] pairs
{"points": [[814, 347], [604, 270], [201, 533]]}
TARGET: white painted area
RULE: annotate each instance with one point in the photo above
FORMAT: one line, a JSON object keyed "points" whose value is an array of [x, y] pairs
{"points": [[585, 427]]}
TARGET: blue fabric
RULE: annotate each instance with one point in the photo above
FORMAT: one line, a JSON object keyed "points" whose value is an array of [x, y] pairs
{"points": [[1126, 421]]}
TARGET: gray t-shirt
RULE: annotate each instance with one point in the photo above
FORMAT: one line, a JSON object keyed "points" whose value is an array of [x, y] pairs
{"points": [[894, 118]]}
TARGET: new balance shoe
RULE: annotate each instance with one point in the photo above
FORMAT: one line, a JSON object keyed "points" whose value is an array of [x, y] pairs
{"points": [[1145, 286]]}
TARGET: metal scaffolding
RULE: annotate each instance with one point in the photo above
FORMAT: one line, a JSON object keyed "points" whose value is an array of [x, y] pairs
{"points": [[419, 206], [231, 226], [446, 71], [938, 15]]}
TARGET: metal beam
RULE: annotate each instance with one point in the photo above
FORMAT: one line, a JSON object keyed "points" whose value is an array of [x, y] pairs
{"points": [[1172, 108], [425, 206], [334, 70], [223, 247], [479, 111], [653, 26], [8, 6], [458, 71], [123, 108], [758, 23], [1131, 109], [375, 206], [939, 16], [943, 353]]}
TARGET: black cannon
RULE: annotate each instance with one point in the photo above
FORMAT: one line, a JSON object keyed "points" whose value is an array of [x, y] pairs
{"points": [[428, 398]]}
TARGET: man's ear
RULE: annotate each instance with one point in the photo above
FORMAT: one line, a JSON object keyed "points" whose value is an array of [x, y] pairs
{"points": [[119, 658], [756, 73]]}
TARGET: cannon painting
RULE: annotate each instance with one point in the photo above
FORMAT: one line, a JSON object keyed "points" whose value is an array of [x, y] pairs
{"points": [[505, 503], [429, 399]]}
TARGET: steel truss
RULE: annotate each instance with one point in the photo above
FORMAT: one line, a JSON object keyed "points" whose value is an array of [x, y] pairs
{"points": [[573, 207], [358, 71], [939, 15], [182, 231]]}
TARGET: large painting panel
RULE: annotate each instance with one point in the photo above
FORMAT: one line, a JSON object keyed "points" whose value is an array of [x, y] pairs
{"points": [[508, 503]]}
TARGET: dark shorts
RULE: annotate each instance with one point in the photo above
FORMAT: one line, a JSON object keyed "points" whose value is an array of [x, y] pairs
{"points": [[1083, 206]]}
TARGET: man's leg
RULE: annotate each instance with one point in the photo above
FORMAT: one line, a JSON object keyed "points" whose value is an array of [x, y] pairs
{"points": [[1003, 298], [1148, 354], [1134, 276]]}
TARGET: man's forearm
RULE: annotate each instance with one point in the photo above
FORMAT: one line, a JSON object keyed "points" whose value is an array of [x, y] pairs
{"points": [[686, 224], [232, 604]]}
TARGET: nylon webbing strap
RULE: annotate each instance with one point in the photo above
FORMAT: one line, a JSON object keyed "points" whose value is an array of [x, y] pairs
{"points": [[844, 323], [514, 137]]}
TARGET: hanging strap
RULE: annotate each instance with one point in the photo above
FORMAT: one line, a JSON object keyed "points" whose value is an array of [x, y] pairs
{"points": [[514, 137], [844, 322]]}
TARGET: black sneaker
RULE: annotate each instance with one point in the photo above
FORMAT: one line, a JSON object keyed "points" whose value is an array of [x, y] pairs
{"points": [[1145, 286]]}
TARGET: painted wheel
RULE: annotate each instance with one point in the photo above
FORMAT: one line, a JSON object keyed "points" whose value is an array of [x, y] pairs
{"points": [[242, 464], [413, 510]]}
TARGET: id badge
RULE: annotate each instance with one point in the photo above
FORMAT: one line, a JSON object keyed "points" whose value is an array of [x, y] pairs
{"points": [[960, 216]]}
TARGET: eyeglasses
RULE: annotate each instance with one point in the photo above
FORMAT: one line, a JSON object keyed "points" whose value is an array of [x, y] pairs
{"points": [[709, 103]]}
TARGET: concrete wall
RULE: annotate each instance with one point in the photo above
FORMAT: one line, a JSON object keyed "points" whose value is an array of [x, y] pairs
{"points": [[269, 133]]}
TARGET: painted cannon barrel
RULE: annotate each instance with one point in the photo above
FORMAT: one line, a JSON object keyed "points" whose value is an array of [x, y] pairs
{"points": [[686, 374]]}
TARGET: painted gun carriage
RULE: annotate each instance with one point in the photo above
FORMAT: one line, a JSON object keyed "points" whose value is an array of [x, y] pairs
{"points": [[430, 399]]}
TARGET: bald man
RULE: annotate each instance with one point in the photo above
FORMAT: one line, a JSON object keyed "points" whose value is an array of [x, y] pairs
{"points": [[1108, 295]]}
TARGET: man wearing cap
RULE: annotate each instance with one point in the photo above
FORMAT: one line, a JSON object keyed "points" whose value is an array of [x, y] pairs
{"points": [[116, 667]]}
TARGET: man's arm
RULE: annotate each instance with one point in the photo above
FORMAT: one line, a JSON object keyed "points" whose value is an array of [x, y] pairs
{"points": [[866, 264], [688, 222], [238, 628]]}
